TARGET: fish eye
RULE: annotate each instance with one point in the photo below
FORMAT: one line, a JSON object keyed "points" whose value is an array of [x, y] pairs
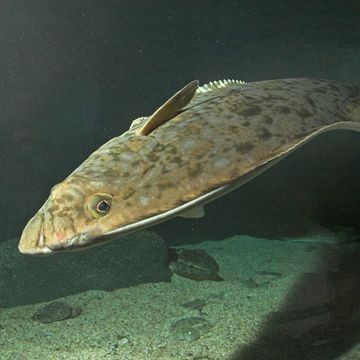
{"points": [[98, 205], [103, 206]]}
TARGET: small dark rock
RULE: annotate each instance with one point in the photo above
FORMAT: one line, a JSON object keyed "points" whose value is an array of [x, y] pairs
{"points": [[194, 264], [56, 311]]}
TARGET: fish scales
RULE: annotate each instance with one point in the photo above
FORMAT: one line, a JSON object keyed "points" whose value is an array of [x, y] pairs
{"points": [[220, 139]]}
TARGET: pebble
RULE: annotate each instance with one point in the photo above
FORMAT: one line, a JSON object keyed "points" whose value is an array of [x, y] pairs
{"points": [[56, 311]]}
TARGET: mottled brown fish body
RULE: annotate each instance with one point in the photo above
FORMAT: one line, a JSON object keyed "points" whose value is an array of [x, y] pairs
{"points": [[219, 137]]}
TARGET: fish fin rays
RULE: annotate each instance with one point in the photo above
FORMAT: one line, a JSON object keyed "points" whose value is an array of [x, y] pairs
{"points": [[341, 125], [220, 84], [170, 108], [190, 95], [353, 108], [137, 123]]}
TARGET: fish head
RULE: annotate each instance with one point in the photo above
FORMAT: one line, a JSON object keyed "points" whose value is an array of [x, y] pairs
{"points": [[75, 216]]}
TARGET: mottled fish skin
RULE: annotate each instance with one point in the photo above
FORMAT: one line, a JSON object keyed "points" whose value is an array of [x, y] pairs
{"points": [[221, 136]]}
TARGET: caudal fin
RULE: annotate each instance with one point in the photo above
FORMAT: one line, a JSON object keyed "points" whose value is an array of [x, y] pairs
{"points": [[353, 109]]}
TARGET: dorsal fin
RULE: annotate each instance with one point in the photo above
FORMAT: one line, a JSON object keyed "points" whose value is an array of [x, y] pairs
{"points": [[171, 108], [137, 123], [220, 84]]}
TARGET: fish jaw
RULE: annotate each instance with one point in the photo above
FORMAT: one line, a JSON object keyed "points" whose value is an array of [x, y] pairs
{"points": [[57, 228], [32, 238], [38, 239]]}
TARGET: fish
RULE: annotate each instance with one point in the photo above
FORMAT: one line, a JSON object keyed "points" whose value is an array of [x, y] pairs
{"points": [[202, 143]]}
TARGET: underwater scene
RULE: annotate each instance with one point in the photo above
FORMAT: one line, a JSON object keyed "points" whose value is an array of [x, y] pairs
{"points": [[180, 180]]}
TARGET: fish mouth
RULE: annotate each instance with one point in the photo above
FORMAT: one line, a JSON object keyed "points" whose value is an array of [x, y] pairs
{"points": [[32, 241], [39, 239], [77, 242]]}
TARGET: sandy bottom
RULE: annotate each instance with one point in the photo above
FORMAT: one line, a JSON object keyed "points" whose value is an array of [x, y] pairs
{"points": [[135, 323]]}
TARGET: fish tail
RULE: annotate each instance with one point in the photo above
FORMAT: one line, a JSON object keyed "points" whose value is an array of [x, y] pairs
{"points": [[353, 109]]}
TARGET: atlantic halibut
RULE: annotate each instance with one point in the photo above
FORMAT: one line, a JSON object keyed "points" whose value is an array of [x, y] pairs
{"points": [[199, 145]]}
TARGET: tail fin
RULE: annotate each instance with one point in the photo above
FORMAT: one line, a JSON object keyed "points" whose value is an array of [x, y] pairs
{"points": [[353, 109]]}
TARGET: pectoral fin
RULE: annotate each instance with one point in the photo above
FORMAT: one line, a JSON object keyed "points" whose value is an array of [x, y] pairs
{"points": [[194, 213]]}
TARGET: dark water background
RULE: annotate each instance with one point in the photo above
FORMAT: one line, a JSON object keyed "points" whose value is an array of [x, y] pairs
{"points": [[75, 73]]}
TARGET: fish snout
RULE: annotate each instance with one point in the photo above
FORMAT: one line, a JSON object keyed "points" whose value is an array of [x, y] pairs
{"points": [[44, 235], [32, 238]]}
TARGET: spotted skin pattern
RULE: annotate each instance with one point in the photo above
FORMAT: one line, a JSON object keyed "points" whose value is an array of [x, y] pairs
{"points": [[222, 135]]}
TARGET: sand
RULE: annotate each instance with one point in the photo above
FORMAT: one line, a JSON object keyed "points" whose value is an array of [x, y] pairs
{"points": [[135, 322]]}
